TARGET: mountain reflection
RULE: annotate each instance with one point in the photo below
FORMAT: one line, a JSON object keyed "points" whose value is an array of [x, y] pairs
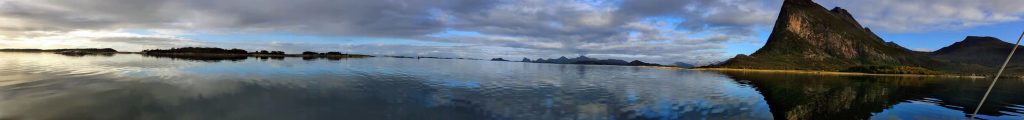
{"points": [[793, 96], [131, 86], [137, 87]]}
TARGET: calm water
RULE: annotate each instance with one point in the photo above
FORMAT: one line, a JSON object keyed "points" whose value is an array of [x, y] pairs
{"points": [[128, 86]]}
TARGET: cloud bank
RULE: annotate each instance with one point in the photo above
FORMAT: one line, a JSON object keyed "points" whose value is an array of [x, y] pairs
{"points": [[662, 31]]}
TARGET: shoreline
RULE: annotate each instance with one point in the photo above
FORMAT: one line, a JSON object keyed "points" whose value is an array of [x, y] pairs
{"points": [[214, 55], [828, 73], [210, 54]]}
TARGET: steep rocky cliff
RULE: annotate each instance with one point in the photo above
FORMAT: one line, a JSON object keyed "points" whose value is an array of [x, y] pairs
{"points": [[807, 36]]}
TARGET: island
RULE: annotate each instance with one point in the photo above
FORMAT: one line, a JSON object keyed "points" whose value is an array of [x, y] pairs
{"points": [[584, 60], [211, 53], [69, 52]]}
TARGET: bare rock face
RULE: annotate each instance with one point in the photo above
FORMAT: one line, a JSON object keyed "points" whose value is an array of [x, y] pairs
{"points": [[808, 36]]}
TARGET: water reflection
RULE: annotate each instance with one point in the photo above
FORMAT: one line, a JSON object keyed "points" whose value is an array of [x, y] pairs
{"points": [[129, 86], [75, 54], [203, 58], [822, 97], [123, 87]]}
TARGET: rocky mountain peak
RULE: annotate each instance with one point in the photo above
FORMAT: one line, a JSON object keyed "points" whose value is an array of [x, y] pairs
{"points": [[800, 2], [970, 43], [981, 39], [846, 16], [807, 36], [806, 32]]}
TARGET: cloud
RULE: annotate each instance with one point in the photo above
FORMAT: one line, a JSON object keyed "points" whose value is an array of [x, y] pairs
{"points": [[561, 27], [656, 30], [331, 17], [931, 15], [626, 28], [923, 49], [120, 39], [147, 40]]}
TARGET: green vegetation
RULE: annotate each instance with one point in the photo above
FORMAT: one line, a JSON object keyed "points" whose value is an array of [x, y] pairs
{"points": [[807, 36], [891, 70]]}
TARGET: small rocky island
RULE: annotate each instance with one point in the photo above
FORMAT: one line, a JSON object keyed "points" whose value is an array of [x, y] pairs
{"points": [[210, 53]]}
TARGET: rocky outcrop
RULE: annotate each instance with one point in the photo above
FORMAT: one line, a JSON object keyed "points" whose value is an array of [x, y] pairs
{"points": [[809, 37]]}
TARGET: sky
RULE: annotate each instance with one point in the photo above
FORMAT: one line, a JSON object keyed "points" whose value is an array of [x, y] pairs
{"points": [[659, 31]]}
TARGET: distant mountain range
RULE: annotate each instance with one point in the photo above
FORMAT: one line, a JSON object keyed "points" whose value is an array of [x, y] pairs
{"points": [[589, 61], [807, 36]]}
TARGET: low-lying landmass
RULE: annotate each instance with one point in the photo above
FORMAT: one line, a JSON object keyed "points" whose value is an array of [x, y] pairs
{"points": [[584, 60], [69, 52], [98, 50], [498, 59], [198, 53], [820, 72], [209, 53]]}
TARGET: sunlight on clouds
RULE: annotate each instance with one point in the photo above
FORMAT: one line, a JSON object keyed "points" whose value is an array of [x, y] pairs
{"points": [[651, 30], [122, 39]]}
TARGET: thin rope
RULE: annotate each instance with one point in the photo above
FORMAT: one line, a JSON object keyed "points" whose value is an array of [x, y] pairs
{"points": [[1000, 73]]}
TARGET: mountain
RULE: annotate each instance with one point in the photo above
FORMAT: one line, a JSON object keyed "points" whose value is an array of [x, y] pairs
{"points": [[683, 65], [972, 48], [980, 55], [807, 36], [641, 63], [590, 61], [565, 60]]}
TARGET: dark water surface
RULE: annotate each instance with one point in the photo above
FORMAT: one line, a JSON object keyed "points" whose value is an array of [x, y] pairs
{"points": [[128, 86]]}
